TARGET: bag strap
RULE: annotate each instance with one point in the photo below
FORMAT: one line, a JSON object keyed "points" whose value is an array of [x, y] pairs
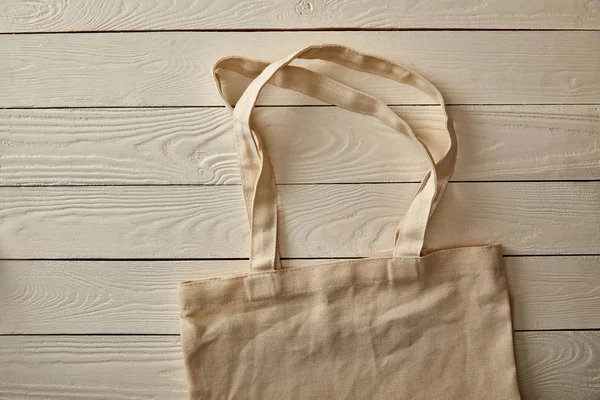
{"points": [[257, 174]]}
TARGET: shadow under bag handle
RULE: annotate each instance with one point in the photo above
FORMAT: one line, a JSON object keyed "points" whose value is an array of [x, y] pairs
{"points": [[257, 175]]}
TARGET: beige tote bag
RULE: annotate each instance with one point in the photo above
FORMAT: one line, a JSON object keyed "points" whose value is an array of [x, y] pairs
{"points": [[410, 324]]}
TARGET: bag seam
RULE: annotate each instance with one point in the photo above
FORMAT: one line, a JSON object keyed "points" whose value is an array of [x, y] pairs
{"points": [[302, 268], [358, 283]]}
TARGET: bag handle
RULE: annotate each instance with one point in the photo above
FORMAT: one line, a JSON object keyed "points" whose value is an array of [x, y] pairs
{"points": [[257, 175], [445, 151]]}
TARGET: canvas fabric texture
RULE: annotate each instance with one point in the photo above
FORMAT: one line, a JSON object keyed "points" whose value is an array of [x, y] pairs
{"points": [[409, 324]]}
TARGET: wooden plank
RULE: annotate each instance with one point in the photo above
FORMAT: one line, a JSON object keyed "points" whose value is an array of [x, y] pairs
{"points": [[108, 15], [140, 297], [316, 220], [551, 365], [173, 68], [554, 292], [196, 146]]}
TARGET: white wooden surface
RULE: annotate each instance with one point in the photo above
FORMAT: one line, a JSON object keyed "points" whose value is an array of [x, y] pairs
{"points": [[173, 68], [118, 176]]}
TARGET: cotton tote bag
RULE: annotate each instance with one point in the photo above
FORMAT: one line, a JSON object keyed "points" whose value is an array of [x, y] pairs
{"points": [[405, 325]]}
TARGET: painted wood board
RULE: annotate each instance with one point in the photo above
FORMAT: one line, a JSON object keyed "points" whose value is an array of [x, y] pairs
{"points": [[148, 146], [339, 220], [108, 15], [551, 365], [173, 68], [140, 297]]}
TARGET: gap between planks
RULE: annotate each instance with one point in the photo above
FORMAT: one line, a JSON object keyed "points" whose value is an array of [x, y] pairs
{"points": [[159, 185], [298, 30], [259, 106]]}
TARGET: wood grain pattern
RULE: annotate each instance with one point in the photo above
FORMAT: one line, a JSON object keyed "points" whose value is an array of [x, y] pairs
{"points": [[306, 144], [554, 292], [316, 220], [541, 355], [140, 297], [173, 68], [551, 366], [106, 15]]}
